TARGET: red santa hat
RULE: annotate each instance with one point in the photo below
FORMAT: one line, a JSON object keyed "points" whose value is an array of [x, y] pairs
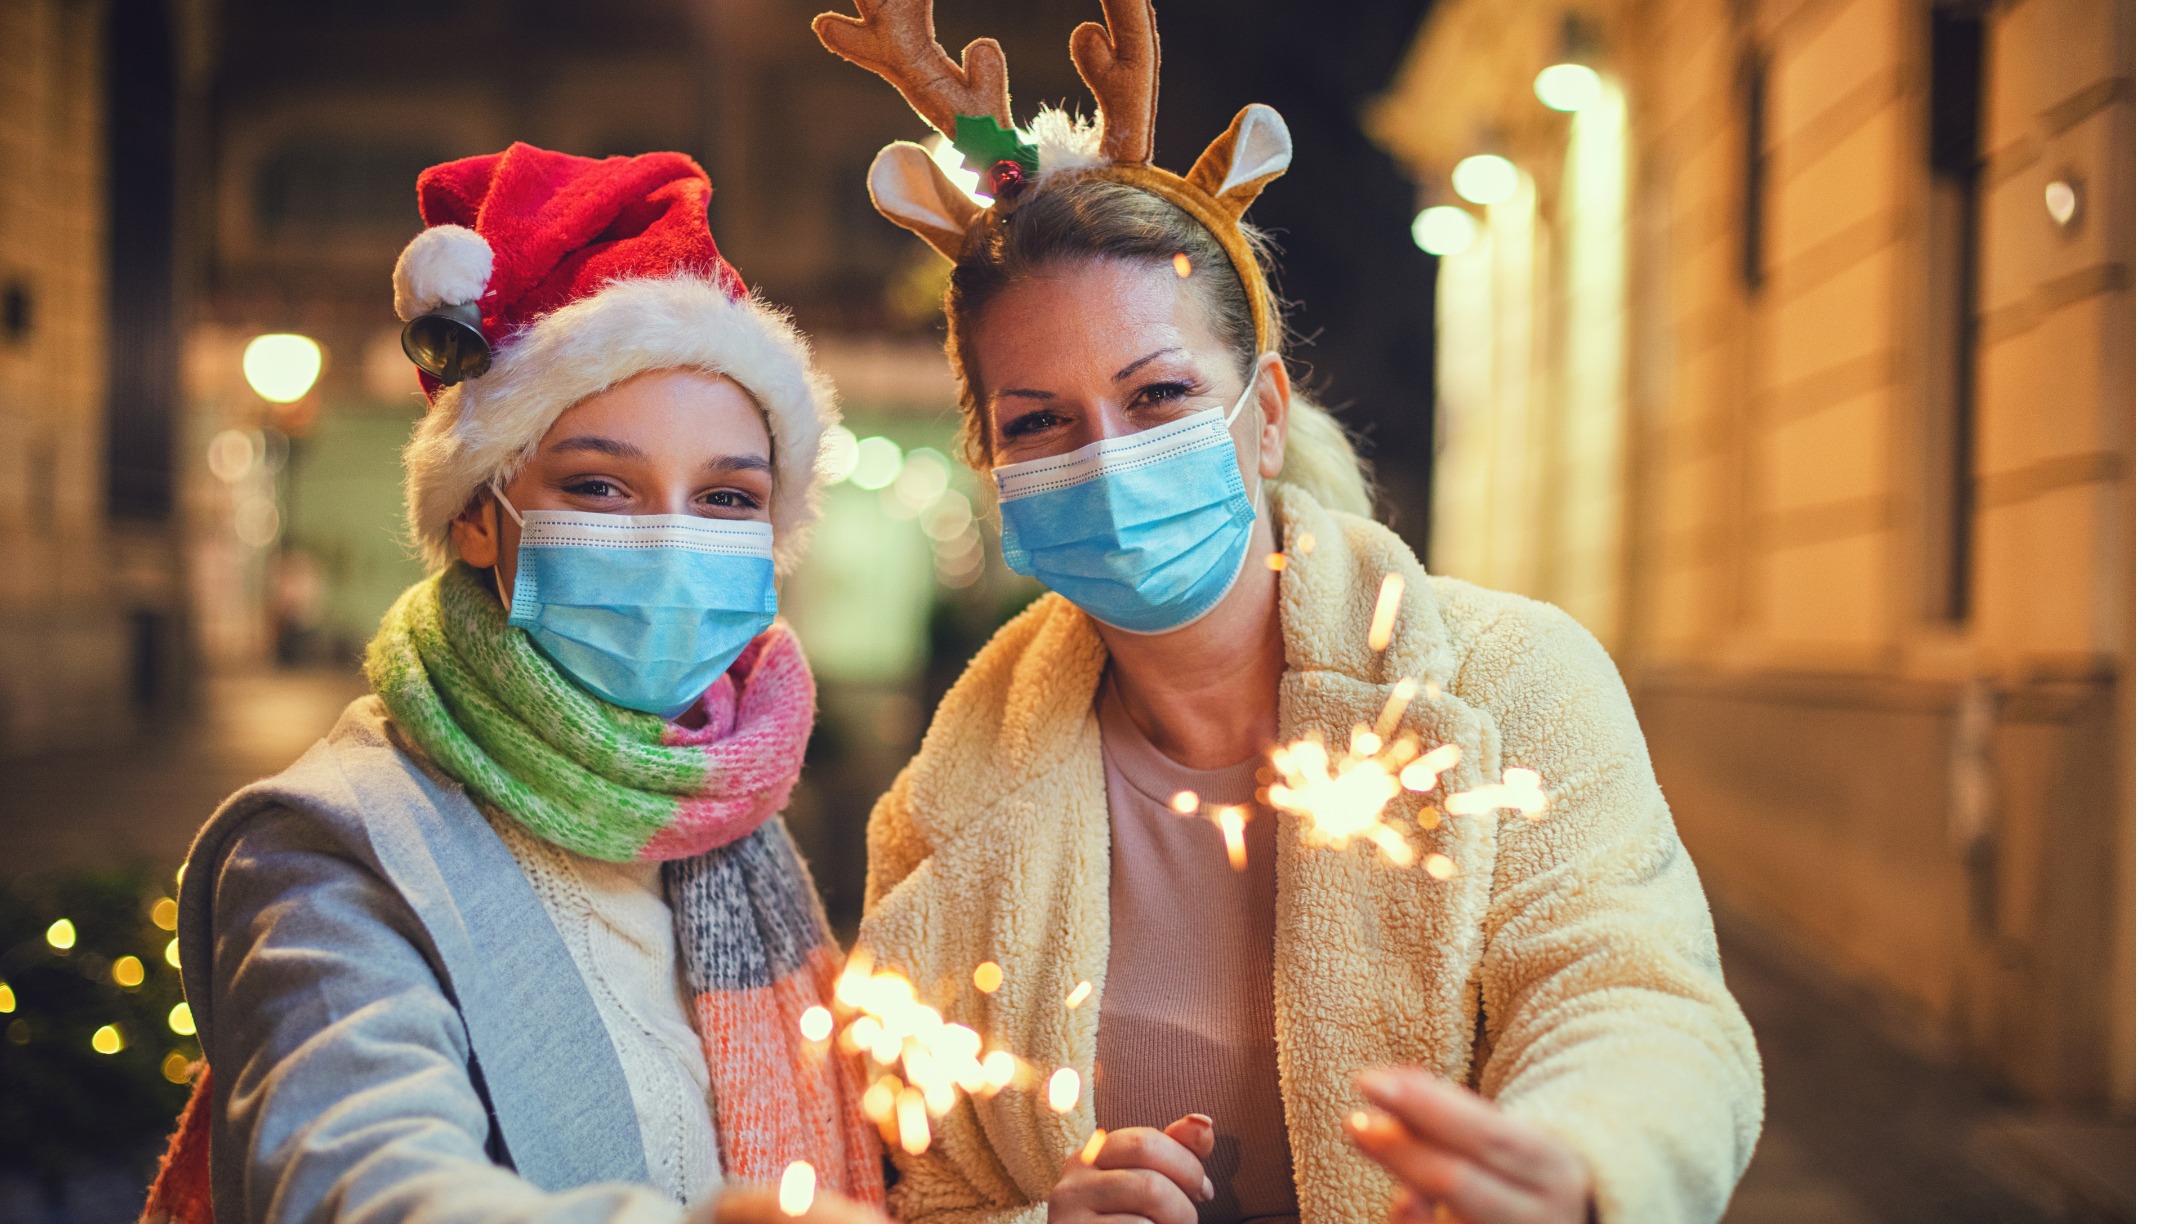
{"points": [[568, 275]]}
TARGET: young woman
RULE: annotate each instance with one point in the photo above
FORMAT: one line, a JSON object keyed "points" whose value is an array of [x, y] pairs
{"points": [[521, 939], [1538, 1030]]}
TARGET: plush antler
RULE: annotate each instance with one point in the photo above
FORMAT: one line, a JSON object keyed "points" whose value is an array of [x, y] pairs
{"points": [[897, 40], [1120, 60]]}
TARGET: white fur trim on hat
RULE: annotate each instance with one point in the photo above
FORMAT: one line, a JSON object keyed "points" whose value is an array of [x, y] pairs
{"points": [[445, 265], [485, 429]]}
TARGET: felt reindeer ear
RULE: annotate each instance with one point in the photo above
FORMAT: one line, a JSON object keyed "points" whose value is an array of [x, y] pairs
{"points": [[1254, 150], [914, 193]]}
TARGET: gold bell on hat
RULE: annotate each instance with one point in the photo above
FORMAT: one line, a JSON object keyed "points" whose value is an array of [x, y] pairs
{"points": [[447, 343]]}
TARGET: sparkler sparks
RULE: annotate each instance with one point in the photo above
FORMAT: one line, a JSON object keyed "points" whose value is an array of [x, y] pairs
{"points": [[1093, 1148], [1064, 1089], [1079, 996], [797, 1188], [1233, 821], [1386, 611], [921, 1064], [1344, 797]]}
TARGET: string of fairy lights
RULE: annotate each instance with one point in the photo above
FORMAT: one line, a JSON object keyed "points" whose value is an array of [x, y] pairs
{"points": [[29, 1015]]}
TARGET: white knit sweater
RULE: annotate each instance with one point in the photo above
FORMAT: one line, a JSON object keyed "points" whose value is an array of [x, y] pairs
{"points": [[616, 924]]}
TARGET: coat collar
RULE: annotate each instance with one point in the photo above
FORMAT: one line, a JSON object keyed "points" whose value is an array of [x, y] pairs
{"points": [[552, 1080]]}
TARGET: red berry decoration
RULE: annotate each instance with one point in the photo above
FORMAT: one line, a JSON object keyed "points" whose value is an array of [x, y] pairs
{"points": [[1007, 178]]}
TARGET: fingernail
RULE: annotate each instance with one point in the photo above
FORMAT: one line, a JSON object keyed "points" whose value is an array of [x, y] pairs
{"points": [[1203, 1118], [1208, 1190]]}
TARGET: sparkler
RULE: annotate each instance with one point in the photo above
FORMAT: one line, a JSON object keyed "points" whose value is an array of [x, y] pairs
{"points": [[1343, 796], [921, 1065], [797, 1188]]}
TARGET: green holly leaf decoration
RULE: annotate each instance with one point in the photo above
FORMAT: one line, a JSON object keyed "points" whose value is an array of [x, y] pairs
{"points": [[984, 144]]}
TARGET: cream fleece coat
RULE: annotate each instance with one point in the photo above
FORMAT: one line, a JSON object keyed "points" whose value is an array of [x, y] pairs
{"points": [[1569, 971]]}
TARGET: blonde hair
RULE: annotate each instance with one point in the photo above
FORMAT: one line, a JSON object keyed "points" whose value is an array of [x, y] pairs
{"points": [[1070, 217]]}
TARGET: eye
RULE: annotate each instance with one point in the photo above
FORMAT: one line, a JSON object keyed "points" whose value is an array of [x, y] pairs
{"points": [[591, 487], [730, 499], [1158, 394], [1030, 423]]}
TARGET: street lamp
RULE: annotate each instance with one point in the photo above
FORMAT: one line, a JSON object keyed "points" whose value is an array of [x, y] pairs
{"points": [[1485, 179], [282, 367], [1444, 229], [1571, 83], [1568, 87]]}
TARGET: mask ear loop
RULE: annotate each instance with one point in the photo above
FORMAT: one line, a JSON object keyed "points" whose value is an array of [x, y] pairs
{"points": [[1256, 500], [498, 580]]}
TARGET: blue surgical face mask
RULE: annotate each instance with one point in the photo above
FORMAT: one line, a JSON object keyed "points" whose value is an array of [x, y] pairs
{"points": [[644, 610], [1146, 532]]}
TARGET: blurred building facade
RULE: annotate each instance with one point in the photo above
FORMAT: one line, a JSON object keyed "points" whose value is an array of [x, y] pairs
{"points": [[1796, 361], [99, 105]]}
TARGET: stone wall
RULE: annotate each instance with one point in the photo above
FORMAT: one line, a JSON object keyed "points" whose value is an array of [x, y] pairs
{"points": [[64, 656]]}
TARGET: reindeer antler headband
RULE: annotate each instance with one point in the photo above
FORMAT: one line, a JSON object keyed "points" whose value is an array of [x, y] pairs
{"points": [[970, 102]]}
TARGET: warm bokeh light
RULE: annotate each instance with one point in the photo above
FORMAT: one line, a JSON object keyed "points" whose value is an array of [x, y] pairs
{"points": [[128, 972], [877, 462], [1568, 87], [1444, 229], [1485, 179], [282, 367], [61, 935], [988, 977], [107, 1040], [181, 1021], [7, 998], [231, 454], [165, 915], [175, 1068], [816, 1023], [173, 953]]}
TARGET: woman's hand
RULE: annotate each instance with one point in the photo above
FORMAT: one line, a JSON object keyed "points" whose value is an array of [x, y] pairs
{"points": [[1454, 1149], [1149, 1174], [761, 1207]]}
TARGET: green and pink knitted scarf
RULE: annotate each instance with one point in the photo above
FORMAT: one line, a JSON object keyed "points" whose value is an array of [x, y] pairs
{"points": [[489, 709]]}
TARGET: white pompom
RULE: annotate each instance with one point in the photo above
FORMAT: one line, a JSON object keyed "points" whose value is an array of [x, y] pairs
{"points": [[445, 265], [1066, 142]]}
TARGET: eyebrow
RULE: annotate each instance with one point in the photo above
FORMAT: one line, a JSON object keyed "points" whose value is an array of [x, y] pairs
{"points": [[602, 446], [597, 445], [738, 463], [1121, 376]]}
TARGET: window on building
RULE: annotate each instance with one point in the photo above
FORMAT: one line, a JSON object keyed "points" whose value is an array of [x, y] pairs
{"points": [[314, 185], [1753, 189], [1956, 100], [142, 352]]}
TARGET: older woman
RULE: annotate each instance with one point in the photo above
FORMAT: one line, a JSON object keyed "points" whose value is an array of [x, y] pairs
{"points": [[521, 939], [1539, 1022]]}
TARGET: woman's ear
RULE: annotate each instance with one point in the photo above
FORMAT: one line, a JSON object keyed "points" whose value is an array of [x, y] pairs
{"points": [[476, 533], [1273, 395]]}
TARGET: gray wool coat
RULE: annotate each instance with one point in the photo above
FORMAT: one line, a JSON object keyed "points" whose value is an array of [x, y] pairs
{"points": [[395, 1030]]}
